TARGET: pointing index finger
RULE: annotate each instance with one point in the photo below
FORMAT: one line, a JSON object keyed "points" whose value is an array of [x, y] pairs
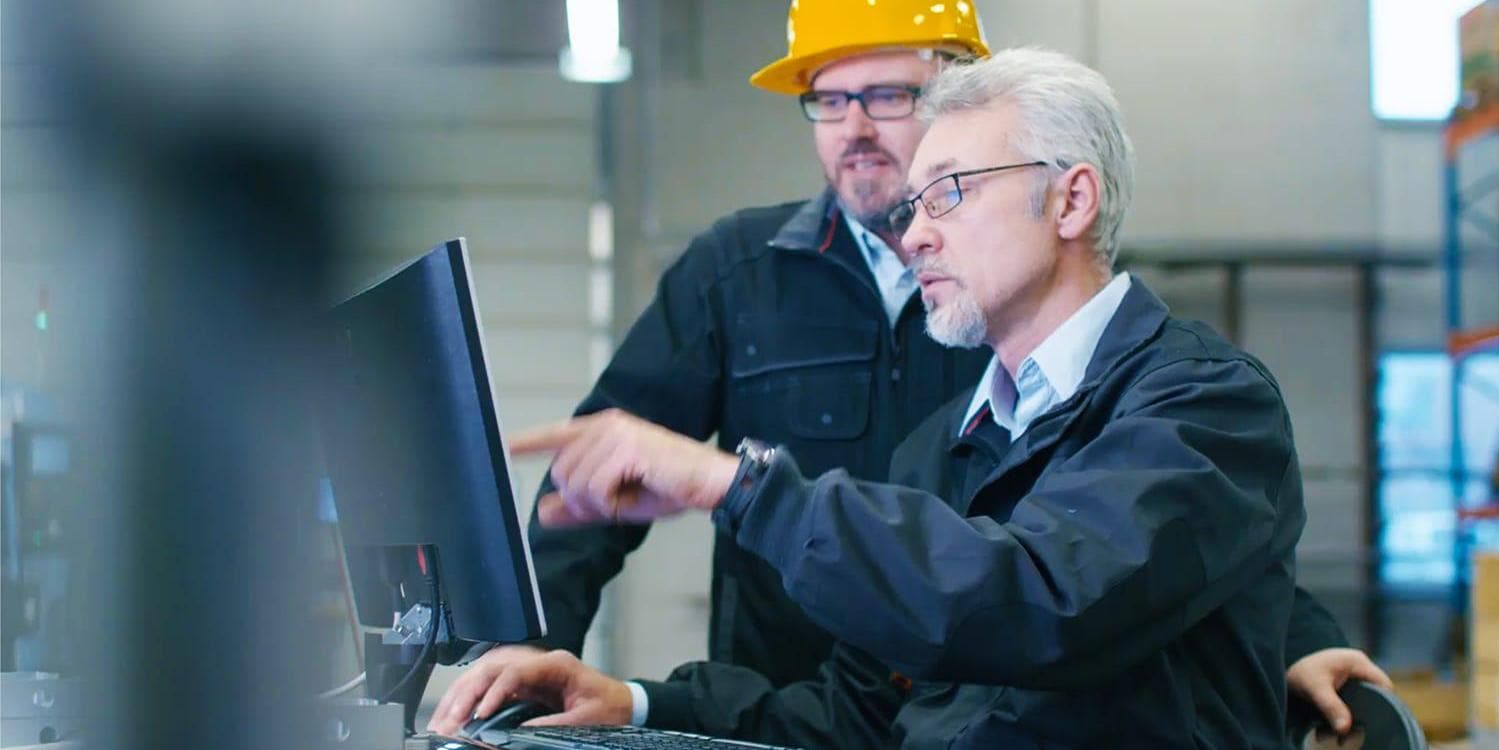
{"points": [[547, 438]]}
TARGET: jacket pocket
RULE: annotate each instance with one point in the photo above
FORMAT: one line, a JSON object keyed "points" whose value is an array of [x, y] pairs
{"points": [[829, 406], [764, 345], [816, 376]]}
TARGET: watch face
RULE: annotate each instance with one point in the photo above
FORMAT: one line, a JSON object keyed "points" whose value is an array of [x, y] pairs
{"points": [[755, 450], [766, 451]]}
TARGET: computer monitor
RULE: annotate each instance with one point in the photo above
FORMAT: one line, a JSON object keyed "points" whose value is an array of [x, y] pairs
{"points": [[415, 457]]}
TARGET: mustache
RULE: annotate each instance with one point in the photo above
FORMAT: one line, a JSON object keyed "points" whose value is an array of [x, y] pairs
{"points": [[867, 146], [925, 264], [928, 264]]}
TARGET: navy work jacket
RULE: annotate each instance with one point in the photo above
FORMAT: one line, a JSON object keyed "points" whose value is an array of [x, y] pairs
{"points": [[1121, 576]]}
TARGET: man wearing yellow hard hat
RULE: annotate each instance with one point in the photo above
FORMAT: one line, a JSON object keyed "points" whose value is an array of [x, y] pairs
{"points": [[796, 325]]}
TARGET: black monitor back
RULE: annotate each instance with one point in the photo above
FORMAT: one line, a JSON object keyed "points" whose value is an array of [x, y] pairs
{"points": [[414, 451]]}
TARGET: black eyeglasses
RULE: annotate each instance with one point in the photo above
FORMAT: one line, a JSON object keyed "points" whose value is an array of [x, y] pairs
{"points": [[879, 102], [946, 197]]}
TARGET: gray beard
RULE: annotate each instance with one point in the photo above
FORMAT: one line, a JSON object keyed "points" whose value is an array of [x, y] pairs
{"points": [[958, 324]]}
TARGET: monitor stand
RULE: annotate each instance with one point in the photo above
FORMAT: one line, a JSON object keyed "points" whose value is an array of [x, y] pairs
{"points": [[398, 662]]}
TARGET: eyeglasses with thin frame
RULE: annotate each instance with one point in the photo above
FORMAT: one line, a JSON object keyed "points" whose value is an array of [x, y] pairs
{"points": [[942, 195], [886, 102]]}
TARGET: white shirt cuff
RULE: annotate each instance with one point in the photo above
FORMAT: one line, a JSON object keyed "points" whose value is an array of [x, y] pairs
{"points": [[640, 705]]}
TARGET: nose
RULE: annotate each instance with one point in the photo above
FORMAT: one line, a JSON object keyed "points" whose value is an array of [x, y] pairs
{"points": [[857, 123], [921, 238]]}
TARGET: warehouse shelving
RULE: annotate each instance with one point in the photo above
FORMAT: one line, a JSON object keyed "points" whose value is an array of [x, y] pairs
{"points": [[1471, 275]]}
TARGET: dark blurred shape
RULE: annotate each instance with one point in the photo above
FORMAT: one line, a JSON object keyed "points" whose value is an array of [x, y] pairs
{"points": [[197, 136], [221, 479]]}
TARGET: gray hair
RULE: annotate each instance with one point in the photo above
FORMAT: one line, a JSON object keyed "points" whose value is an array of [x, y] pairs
{"points": [[1068, 116]]}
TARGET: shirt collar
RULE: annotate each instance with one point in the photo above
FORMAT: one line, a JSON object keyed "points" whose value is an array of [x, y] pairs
{"points": [[873, 245], [1062, 358]]}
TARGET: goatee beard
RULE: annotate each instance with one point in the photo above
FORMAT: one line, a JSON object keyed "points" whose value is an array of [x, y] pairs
{"points": [[958, 324], [876, 219], [877, 222]]}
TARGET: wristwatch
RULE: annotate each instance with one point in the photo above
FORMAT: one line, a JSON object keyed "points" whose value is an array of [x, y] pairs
{"points": [[754, 461]]}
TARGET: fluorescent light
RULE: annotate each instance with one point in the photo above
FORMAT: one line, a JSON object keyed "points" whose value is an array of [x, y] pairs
{"points": [[1413, 57], [593, 54]]}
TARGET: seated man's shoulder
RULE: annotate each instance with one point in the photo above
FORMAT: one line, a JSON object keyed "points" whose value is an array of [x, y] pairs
{"points": [[1192, 350]]}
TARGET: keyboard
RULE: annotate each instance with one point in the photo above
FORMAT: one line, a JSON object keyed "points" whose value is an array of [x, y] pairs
{"points": [[622, 738]]}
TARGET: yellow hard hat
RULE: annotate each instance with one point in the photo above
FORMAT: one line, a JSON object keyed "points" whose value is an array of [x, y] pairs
{"points": [[821, 31]]}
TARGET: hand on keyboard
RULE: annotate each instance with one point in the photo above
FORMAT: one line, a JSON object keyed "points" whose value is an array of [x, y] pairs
{"points": [[553, 678]]}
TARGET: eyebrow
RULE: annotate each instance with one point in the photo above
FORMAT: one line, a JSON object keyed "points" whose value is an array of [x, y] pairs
{"points": [[876, 85], [937, 169], [932, 172]]}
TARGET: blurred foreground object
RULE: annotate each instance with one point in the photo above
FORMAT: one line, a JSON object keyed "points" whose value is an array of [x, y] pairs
{"points": [[190, 222]]}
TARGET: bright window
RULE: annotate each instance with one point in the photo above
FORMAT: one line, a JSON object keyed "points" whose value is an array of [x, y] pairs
{"points": [[1413, 57], [1416, 498]]}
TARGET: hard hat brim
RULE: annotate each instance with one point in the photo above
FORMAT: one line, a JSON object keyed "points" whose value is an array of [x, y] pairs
{"points": [[792, 75]]}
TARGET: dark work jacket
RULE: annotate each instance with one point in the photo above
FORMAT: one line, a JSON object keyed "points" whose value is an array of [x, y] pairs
{"points": [[771, 326], [1121, 576]]}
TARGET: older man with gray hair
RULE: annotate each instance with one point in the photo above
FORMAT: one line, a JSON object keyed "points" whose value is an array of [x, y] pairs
{"points": [[1092, 548]]}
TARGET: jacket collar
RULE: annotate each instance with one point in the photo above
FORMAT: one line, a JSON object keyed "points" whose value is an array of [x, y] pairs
{"points": [[812, 226], [1139, 317]]}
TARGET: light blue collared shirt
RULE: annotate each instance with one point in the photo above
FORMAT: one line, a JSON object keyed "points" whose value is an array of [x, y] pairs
{"points": [[1053, 372], [896, 282]]}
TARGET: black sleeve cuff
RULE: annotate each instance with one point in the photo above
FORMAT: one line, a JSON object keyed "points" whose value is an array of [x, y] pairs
{"points": [[670, 705], [769, 516]]}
